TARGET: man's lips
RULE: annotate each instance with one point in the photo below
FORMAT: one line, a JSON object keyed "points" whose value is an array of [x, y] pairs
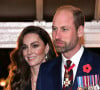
{"points": [[58, 43]]}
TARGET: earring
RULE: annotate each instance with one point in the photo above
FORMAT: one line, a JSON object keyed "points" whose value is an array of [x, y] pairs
{"points": [[46, 56]]}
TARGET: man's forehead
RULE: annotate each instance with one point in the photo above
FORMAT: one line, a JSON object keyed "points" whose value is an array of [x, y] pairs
{"points": [[62, 15]]}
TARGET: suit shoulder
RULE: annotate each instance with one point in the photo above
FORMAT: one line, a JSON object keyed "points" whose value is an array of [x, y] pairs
{"points": [[51, 63], [93, 57], [88, 52]]}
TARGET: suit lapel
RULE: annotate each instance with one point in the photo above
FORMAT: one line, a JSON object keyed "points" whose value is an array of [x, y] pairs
{"points": [[85, 59], [57, 74]]}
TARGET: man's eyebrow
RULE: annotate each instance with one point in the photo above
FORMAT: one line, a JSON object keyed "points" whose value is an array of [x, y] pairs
{"points": [[53, 26]]}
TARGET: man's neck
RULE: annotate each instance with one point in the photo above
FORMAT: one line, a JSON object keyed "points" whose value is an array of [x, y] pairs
{"points": [[71, 53]]}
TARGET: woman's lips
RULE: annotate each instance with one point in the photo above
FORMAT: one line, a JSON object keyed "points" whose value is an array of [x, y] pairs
{"points": [[31, 58]]}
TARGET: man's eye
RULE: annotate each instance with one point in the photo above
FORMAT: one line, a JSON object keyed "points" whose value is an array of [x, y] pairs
{"points": [[65, 29], [54, 28]]}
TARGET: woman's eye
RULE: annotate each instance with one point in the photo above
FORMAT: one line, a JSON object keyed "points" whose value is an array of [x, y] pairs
{"points": [[35, 45], [24, 47]]}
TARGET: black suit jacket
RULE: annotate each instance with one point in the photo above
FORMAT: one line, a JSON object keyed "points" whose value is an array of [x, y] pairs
{"points": [[50, 72]]}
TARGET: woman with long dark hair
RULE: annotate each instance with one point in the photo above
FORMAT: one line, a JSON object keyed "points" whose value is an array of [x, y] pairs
{"points": [[34, 46]]}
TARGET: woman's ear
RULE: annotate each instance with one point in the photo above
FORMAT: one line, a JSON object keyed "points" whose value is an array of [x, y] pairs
{"points": [[81, 31], [46, 49]]}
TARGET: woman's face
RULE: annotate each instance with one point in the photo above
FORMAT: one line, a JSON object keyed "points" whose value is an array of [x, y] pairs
{"points": [[34, 49]]}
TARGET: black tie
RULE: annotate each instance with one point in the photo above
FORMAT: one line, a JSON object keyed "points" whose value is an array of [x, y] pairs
{"points": [[68, 76]]}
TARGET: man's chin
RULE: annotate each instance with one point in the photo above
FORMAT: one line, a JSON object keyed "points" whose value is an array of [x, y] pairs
{"points": [[59, 50]]}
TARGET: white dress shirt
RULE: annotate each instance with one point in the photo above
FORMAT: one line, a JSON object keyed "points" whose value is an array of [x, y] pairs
{"points": [[75, 60]]}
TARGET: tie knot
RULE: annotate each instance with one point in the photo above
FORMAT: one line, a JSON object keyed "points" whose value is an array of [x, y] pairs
{"points": [[68, 62]]}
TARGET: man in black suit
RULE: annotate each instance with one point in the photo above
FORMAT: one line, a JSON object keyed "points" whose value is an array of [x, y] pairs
{"points": [[67, 31]]}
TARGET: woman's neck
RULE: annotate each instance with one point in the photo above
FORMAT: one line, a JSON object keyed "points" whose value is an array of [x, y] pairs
{"points": [[34, 71]]}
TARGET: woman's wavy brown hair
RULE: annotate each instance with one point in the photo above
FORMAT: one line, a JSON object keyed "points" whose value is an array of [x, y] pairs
{"points": [[21, 74]]}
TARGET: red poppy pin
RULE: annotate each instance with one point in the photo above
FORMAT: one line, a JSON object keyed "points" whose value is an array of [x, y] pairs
{"points": [[87, 68]]}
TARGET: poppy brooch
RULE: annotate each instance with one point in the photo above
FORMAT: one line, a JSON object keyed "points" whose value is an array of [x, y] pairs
{"points": [[87, 68]]}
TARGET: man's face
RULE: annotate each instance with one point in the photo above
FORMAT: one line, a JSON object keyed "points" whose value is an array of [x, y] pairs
{"points": [[64, 33]]}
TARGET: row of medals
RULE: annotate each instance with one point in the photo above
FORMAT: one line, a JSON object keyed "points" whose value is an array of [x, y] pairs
{"points": [[94, 86]]}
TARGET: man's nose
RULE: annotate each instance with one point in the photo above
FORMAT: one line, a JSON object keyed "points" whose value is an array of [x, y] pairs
{"points": [[58, 34]]}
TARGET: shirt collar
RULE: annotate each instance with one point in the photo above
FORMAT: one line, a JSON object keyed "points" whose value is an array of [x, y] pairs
{"points": [[76, 58]]}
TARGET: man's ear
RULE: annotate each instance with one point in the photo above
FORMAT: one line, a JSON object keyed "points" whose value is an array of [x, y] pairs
{"points": [[46, 49], [81, 31]]}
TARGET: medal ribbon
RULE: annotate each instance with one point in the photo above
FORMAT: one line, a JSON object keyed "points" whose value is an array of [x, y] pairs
{"points": [[70, 68], [96, 82], [86, 81], [92, 80], [99, 79]]}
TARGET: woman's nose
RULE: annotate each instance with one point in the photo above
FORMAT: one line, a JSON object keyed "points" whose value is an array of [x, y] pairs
{"points": [[29, 51]]}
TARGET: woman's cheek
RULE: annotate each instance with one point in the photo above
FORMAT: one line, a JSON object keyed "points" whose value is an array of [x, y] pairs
{"points": [[40, 51]]}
